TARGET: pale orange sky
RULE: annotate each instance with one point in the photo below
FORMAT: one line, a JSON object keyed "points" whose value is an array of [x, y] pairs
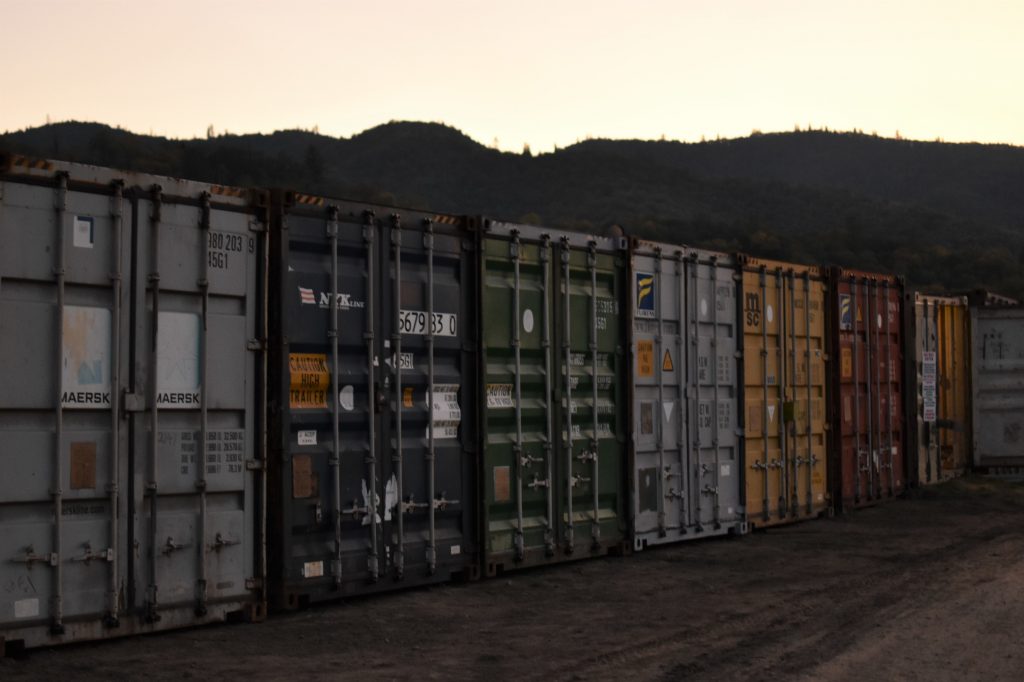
{"points": [[545, 73]]}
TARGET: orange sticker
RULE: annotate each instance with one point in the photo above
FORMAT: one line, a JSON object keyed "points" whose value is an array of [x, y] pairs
{"points": [[666, 363], [308, 381], [645, 358], [407, 396]]}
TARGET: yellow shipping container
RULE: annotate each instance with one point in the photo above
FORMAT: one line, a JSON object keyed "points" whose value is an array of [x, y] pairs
{"points": [[939, 409], [784, 323]]}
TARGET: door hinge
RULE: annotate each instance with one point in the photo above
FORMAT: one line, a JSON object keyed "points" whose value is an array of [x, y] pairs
{"points": [[257, 226], [254, 465], [255, 344], [254, 583]]}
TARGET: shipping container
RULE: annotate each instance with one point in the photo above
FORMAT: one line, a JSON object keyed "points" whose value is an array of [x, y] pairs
{"points": [[997, 388], [371, 407], [866, 345], [130, 317], [686, 451], [785, 406], [938, 387], [555, 412]]}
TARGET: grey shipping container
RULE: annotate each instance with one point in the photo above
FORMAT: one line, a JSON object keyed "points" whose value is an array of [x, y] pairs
{"points": [[372, 387], [555, 411], [687, 445], [129, 311], [997, 388]]}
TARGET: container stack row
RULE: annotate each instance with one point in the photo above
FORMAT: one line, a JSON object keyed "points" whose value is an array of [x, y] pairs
{"points": [[216, 399]]}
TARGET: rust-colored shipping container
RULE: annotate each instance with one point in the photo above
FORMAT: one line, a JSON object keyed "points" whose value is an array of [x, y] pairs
{"points": [[867, 387], [938, 375], [784, 368]]}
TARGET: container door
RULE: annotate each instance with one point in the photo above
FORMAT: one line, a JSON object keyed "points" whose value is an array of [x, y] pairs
{"points": [[928, 311], [663, 471], [427, 325], [808, 394], [592, 397], [328, 495], [521, 472], [63, 309], [997, 343], [766, 472], [951, 388], [712, 360], [193, 395]]}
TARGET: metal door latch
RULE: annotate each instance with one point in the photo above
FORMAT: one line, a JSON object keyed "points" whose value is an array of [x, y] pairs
{"points": [[170, 546], [219, 542], [89, 555], [537, 483], [31, 557], [527, 460], [355, 511], [578, 479]]}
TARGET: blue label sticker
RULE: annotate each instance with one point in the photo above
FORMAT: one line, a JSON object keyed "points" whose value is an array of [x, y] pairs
{"points": [[644, 294], [845, 312]]}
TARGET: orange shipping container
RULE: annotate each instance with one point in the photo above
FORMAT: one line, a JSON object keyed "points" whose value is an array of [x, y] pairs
{"points": [[784, 356]]}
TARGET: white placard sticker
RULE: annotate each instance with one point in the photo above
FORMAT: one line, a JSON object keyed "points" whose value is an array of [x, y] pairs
{"points": [[346, 398], [313, 569], [177, 361], [307, 437], [445, 411], [84, 232], [499, 396], [527, 320], [26, 608], [415, 322], [669, 407], [87, 358], [770, 313], [456, 550], [725, 470], [407, 361]]}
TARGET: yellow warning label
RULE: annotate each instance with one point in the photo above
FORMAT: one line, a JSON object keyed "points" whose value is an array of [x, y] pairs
{"points": [[309, 381], [407, 396], [846, 363], [666, 363], [645, 358]]}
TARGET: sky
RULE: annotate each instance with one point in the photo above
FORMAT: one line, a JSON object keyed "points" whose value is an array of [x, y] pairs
{"points": [[544, 73]]}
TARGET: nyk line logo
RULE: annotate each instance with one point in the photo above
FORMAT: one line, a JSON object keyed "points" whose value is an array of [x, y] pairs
{"points": [[344, 301]]}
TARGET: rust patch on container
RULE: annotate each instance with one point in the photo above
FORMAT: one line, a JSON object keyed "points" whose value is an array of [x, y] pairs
{"points": [[305, 482], [502, 484], [83, 466]]}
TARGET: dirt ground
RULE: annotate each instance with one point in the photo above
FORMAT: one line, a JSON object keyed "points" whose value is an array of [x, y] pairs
{"points": [[927, 588]]}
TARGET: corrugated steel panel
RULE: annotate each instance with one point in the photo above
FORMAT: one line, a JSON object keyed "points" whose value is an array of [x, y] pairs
{"points": [[867, 389], [785, 407], [997, 387], [555, 411], [686, 453], [373, 433], [128, 304], [938, 367]]}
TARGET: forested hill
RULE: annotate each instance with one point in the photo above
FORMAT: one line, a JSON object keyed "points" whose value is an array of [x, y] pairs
{"points": [[949, 216]]}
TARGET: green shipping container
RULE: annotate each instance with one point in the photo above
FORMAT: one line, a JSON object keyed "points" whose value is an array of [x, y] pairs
{"points": [[555, 414]]}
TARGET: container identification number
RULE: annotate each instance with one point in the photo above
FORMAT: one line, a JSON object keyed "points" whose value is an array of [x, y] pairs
{"points": [[415, 322], [222, 244]]}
